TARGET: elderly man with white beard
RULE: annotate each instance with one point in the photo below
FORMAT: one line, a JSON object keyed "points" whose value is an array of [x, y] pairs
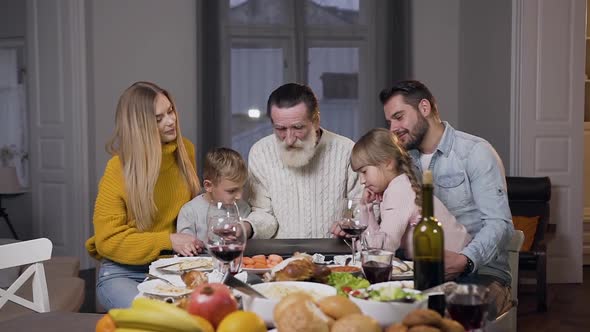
{"points": [[300, 176]]}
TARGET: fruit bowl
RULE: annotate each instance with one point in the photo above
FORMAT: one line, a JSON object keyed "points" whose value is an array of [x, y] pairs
{"points": [[387, 313], [275, 291]]}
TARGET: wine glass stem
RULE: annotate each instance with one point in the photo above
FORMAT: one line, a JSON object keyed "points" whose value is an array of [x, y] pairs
{"points": [[353, 246]]}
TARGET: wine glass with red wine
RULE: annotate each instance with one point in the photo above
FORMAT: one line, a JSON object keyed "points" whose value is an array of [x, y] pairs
{"points": [[226, 236], [468, 305], [352, 225]]}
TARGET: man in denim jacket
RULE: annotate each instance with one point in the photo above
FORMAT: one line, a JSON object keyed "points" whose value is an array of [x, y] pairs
{"points": [[469, 179]]}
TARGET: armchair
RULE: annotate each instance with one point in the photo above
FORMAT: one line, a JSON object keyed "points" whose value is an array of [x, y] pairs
{"points": [[529, 197]]}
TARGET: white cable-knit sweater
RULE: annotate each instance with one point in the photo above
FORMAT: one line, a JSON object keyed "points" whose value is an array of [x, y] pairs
{"points": [[300, 202]]}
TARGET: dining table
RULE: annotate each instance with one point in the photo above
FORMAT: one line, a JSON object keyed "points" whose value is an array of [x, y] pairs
{"points": [[52, 322], [69, 321], [287, 247]]}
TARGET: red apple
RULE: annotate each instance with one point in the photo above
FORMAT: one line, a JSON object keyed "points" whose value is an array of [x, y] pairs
{"points": [[213, 302]]}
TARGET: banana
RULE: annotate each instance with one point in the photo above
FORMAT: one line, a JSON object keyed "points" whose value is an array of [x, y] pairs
{"points": [[171, 310], [155, 305], [133, 330], [153, 320]]}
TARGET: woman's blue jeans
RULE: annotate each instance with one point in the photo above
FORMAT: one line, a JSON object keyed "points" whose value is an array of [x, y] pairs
{"points": [[116, 286]]}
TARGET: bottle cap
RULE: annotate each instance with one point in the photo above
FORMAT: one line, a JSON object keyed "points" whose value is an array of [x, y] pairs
{"points": [[427, 177]]}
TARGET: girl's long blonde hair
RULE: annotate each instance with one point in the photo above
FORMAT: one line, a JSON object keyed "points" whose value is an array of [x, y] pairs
{"points": [[380, 146], [137, 142]]}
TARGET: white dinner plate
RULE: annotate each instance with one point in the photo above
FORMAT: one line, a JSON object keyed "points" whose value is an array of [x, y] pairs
{"points": [[183, 264], [160, 288], [405, 275]]}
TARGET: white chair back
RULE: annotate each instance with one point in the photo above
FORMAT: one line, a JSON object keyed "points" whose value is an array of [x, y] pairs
{"points": [[507, 321], [22, 253], [513, 251]]}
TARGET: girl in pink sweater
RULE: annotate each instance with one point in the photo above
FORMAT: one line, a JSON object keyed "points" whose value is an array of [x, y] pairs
{"points": [[385, 171]]}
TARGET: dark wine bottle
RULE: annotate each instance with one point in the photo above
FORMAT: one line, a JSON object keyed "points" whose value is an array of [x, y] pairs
{"points": [[429, 266]]}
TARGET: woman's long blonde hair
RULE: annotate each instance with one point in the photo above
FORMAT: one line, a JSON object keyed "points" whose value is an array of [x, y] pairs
{"points": [[137, 142], [380, 146]]}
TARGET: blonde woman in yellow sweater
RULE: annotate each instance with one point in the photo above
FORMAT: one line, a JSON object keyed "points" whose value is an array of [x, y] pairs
{"points": [[149, 178]]}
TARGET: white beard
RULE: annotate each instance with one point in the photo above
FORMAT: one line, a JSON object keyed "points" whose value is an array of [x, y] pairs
{"points": [[300, 153]]}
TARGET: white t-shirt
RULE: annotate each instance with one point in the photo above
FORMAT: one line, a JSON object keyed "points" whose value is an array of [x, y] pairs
{"points": [[425, 160]]}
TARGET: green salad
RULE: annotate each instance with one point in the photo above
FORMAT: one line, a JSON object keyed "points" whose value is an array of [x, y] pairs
{"points": [[386, 294], [345, 282]]}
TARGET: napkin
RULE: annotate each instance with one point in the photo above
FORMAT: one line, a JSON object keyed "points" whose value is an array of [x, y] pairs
{"points": [[216, 276]]}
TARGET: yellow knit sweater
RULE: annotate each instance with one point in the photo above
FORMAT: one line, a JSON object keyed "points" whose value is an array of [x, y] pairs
{"points": [[115, 236]]}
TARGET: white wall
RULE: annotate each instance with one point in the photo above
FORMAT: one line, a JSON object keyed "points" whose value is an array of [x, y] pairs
{"points": [[435, 51], [136, 40], [484, 72], [461, 51], [12, 18]]}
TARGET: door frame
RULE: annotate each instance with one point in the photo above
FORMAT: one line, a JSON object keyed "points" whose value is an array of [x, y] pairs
{"points": [[536, 129], [70, 33]]}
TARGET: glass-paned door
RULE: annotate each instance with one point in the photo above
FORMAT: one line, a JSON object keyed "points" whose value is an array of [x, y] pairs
{"points": [[333, 74], [268, 43], [257, 68], [333, 12]]}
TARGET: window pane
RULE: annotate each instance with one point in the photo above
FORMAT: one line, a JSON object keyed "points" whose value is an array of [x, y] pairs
{"points": [[255, 73], [333, 76], [332, 12], [259, 12]]}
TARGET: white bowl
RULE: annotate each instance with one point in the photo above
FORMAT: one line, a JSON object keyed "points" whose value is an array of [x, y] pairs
{"points": [[265, 307], [387, 313]]}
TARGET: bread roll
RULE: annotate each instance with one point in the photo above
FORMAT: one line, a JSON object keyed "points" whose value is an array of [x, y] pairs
{"points": [[294, 314], [423, 328], [423, 317], [356, 323], [449, 325], [397, 327], [337, 306], [283, 307]]}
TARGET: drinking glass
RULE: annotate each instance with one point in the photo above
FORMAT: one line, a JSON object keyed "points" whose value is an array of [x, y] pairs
{"points": [[373, 240], [468, 305], [351, 224], [226, 236], [376, 265]]}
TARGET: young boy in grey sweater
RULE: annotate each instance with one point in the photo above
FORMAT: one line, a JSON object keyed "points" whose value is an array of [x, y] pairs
{"points": [[224, 176]]}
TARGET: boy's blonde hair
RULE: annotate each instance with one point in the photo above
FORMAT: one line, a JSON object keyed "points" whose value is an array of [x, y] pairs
{"points": [[225, 163], [380, 146]]}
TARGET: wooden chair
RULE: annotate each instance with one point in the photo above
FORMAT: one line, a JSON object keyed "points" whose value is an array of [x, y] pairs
{"points": [[530, 197], [33, 252], [507, 321]]}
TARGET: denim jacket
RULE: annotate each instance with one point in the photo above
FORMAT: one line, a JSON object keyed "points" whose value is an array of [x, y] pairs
{"points": [[469, 179]]}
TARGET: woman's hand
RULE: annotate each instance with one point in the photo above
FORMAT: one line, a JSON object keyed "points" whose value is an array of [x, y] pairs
{"points": [[185, 244]]}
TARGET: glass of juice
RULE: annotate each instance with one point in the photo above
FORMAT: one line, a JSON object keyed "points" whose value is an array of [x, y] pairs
{"points": [[376, 264]]}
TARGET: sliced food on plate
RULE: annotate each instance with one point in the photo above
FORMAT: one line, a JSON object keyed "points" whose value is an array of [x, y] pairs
{"points": [[160, 288], [260, 263], [181, 264]]}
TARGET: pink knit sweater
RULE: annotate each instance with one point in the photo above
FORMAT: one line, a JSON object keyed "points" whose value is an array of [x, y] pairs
{"points": [[399, 216]]}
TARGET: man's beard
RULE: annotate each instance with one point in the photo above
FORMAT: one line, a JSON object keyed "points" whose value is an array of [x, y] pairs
{"points": [[416, 136], [300, 153]]}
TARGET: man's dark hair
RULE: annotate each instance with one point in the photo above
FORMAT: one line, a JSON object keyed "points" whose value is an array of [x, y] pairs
{"points": [[291, 94], [412, 91]]}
